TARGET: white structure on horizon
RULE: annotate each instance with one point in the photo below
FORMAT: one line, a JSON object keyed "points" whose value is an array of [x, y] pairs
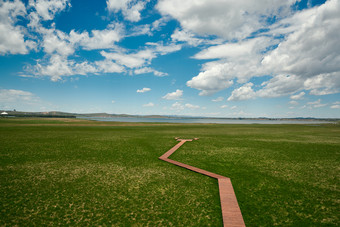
{"points": [[4, 113]]}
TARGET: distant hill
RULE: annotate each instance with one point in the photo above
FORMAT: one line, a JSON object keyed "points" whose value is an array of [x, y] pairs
{"points": [[55, 114], [58, 114]]}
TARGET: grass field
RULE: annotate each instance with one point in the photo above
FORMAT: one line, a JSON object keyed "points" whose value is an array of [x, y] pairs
{"points": [[75, 172]]}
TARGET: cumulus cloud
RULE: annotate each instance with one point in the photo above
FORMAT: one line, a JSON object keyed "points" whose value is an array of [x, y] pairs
{"points": [[60, 46], [191, 106], [212, 79], [46, 9], [280, 85], [297, 96], [177, 106], [55, 41], [162, 49], [12, 36], [102, 39], [12, 95], [176, 95], [293, 102], [223, 106], [219, 99], [58, 66], [108, 66], [139, 60], [186, 36], [239, 61], [234, 50], [335, 105], [323, 84], [130, 8], [22, 100], [310, 50], [130, 60], [316, 104], [305, 58], [191, 39], [226, 19], [150, 104], [145, 70], [243, 93], [145, 89]]}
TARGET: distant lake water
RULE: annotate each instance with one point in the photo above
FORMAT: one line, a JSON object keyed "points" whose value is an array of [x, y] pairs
{"points": [[204, 120]]}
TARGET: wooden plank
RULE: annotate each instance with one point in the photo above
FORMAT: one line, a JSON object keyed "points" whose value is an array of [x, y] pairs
{"points": [[231, 211]]}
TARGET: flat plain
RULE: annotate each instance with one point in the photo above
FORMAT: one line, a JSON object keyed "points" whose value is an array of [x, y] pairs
{"points": [[77, 172]]}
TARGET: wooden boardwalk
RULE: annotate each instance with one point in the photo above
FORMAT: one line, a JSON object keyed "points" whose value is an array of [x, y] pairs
{"points": [[231, 212]]}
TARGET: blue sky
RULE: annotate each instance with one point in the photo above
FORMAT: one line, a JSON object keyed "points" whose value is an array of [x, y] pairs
{"points": [[209, 58]]}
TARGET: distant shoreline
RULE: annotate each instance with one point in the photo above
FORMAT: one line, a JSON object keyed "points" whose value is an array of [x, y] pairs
{"points": [[189, 120], [164, 118]]}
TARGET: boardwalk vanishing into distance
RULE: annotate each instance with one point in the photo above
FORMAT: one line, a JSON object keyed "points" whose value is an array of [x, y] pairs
{"points": [[231, 212]]}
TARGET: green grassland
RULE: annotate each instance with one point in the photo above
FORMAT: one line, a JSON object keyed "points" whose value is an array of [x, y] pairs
{"points": [[77, 172]]}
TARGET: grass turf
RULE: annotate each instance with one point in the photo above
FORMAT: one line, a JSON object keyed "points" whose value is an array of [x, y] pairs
{"points": [[74, 172]]}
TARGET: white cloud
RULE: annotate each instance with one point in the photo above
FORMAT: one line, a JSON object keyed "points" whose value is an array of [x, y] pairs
{"points": [[212, 79], [297, 96], [234, 50], [293, 102], [158, 24], [44, 10], [12, 36], [19, 99], [310, 50], [306, 58], [242, 61], [108, 66], [103, 39], [186, 36], [60, 45], [177, 106], [219, 99], [12, 95], [223, 106], [55, 41], [162, 49], [130, 8], [143, 29], [129, 60], [139, 60], [145, 89], [150, 104], [191, 106], [113, 101], [233, 107], [335, 106], [47, 9], [243, 93], [228, 19], [316, 104], [182, 35], [281, 85], [59, 66], [145, 70], [323, 84], [176, 95]]}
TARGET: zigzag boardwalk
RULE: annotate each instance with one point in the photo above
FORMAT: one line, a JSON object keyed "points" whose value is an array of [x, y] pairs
{"points": [[231, 212]]}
